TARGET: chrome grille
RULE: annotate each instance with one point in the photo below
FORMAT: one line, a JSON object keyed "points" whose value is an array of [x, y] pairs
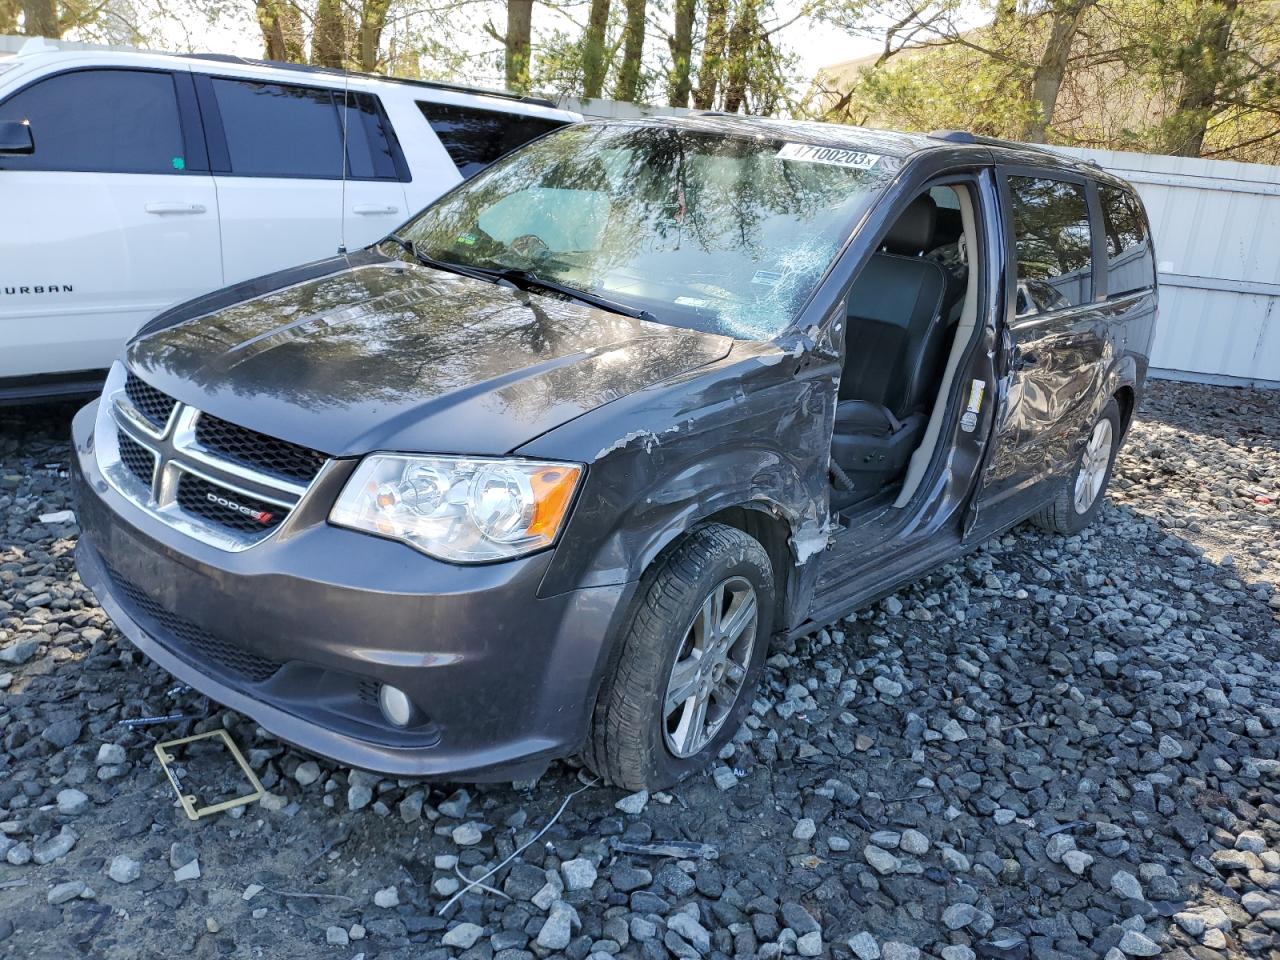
{"points": [[226, 485], [137, 459], [233, 659], [154, 406], [257, 450]]}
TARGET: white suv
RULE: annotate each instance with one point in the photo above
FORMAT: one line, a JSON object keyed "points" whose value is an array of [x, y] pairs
{"points": [[132, 181]]}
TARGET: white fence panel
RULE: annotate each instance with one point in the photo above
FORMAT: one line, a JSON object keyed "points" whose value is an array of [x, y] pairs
{"points": [[1217, 236]]}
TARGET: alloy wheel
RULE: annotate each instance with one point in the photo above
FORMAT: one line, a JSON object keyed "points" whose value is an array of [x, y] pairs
{"points": [[1093, 466], [710, 667]]}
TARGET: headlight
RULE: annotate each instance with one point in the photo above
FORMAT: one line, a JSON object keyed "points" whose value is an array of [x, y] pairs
{"points": [[462, 509]]}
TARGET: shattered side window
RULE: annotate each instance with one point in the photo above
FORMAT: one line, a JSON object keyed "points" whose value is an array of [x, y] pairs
{"points": [[727, 234]]}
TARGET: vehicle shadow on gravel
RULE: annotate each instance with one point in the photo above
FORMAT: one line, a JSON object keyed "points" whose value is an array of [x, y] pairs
{"points": [[1053, 747]]}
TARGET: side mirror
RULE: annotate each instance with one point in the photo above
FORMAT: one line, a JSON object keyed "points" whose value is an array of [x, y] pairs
{"points": [[15, 138]]}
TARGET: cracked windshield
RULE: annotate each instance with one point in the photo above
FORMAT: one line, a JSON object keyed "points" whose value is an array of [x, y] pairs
{"points": [[727, 235]]}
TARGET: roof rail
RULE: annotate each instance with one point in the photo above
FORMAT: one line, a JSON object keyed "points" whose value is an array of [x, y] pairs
{"points": [[335, 71]]}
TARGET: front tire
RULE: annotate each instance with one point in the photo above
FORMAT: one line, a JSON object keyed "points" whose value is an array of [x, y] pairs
{"points": [[1080, 496], [690, 659]]}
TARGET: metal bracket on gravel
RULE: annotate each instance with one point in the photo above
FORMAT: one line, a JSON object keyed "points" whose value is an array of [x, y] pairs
{"points": [[188, 800]]}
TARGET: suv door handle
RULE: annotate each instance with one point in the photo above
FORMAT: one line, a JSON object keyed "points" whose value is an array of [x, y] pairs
{"points": [[373, 210], [162, 207]]}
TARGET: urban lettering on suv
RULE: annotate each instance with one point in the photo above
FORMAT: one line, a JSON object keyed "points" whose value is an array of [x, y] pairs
{"points": [[548, 469]]}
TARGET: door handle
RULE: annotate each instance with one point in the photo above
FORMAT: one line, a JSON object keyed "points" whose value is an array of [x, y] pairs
{"points": [[374, 210], [162, 207]]}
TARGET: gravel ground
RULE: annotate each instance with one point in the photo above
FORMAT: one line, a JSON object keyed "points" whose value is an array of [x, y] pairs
{"points": [[1054, 747]]}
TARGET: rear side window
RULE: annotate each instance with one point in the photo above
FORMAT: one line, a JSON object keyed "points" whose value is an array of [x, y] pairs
{"points": [[1130, 264], [475, 138], [282, 130], [100, 121], [274, 130], [1052, 244]]}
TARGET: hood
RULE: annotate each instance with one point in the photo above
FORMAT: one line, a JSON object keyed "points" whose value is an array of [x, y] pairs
{"points": [[395, 356]]}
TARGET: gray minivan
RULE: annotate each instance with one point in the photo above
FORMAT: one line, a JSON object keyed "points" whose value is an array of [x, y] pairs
{"points": [[545, 471]]}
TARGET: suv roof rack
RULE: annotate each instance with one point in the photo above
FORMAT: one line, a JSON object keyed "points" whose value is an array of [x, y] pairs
{"points": [[335, 71]]}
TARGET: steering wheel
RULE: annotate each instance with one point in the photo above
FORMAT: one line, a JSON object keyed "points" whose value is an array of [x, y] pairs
{"points": [[530, 246]]}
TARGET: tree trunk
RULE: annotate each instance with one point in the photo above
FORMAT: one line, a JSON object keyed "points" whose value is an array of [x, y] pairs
{"points": [[704, 97], [329, 36], [9, 10], [41, 19], [738, 57], [1199, 89], [1046, 79], [628, 84], [519, 38], [594, 67], [681, 53], [281, 25], [373, 20]]}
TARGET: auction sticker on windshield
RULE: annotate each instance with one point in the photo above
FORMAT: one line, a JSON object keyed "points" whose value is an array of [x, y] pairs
{"points": [[836, 156]]}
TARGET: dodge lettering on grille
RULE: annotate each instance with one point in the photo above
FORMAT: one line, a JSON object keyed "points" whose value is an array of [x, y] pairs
{"points": [[262, 516]]}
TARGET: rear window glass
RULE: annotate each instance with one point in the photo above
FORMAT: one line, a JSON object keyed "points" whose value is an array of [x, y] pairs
{"points": [[475, 138], [1130, 264], [274, 130], [102, 121], [1052, 243]]}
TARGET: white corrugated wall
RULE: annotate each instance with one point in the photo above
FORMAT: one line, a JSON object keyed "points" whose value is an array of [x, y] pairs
{"points": [[1217, 233]]}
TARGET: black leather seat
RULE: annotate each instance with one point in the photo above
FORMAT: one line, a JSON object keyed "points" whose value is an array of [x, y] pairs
{"points": [[893, 353]]}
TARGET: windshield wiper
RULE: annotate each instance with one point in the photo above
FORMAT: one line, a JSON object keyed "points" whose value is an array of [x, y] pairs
{"points": [[475, 273], [526, 280], [523, 279]]}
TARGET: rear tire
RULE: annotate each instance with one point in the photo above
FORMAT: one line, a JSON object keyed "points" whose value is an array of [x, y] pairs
{"points": [[1080, 497], [709, 609]]}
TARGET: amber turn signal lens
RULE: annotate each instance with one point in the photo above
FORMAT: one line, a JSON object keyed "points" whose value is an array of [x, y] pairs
{"points": [[552, 491]]}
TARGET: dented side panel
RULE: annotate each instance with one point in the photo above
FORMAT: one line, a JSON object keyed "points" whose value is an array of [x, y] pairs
{"points": [[752, 431]]}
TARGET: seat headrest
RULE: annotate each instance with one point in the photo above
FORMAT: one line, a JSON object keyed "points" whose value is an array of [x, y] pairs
{"points": [[913, 230]]}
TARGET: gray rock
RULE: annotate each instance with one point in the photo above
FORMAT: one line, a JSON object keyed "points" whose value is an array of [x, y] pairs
{"points": [[387, 897], [110, 755], [336, 936], [1126, 885], [20, 652], [463, 936], [882, 861], [1135, 944], [864, 946], [691, 930], [467, 834], [896, 950], [54, 848], [456, 806], [124, 869], [810, 945], [805, 828], [914, 842], [557, 929], [634, 803], [307, 773], [579, 874], [70, 890], [63, 733], [72, 802]]}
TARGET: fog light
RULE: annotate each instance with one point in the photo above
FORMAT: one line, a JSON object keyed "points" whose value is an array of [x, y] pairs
{"points": [[395, 705]]}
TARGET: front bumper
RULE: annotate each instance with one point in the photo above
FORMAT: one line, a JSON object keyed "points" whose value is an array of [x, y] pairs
{"points": [[299, 631]]}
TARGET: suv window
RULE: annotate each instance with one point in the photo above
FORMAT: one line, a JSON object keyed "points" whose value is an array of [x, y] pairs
{"points": [[282, 130], [274, 130], [1052, 241], [100, 121], [1130, 264], [475, 138]]}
